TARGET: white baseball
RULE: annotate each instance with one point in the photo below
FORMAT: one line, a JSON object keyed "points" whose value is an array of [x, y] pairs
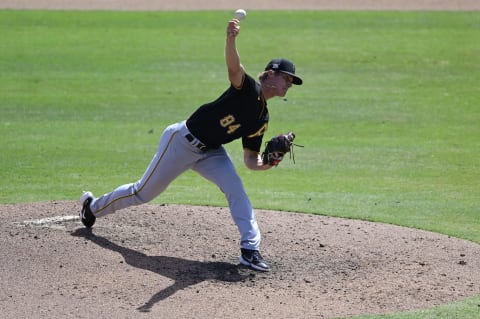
{"points": [[240, 14]]}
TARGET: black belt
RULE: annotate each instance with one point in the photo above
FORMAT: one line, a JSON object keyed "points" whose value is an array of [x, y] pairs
{"points": [[196, 142]]}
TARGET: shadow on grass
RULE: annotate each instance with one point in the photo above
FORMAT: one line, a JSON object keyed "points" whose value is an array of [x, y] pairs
{"points": [[183, 272]]}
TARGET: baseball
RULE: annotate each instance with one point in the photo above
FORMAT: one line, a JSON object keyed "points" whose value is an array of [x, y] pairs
{"points": [[240, 14]]}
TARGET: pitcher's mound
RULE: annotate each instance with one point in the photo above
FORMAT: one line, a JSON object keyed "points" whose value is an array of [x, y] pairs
{"points": [[182, 262]]}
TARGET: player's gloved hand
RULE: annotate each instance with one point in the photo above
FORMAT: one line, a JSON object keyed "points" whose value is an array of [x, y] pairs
{"points": [[276, 148]]}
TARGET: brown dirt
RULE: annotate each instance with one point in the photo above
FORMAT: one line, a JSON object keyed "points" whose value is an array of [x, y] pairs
{"points": [[173, 261], [156, 261], [246, 4]]}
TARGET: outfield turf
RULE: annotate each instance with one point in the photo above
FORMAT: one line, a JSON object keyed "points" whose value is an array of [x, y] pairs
{"points": [[389, 111]]}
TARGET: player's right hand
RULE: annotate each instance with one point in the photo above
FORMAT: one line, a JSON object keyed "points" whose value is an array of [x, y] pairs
{"points": [[233, 28]]}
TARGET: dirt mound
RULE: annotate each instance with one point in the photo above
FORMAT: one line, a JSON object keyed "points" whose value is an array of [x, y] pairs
{"points": [[182, 262]]}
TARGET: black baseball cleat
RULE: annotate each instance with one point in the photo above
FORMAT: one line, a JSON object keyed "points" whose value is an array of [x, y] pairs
{"points": [[253, 259], [86, 215]]}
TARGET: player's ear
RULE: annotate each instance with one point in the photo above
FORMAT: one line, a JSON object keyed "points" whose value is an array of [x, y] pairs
{"points": [[265, 75]]}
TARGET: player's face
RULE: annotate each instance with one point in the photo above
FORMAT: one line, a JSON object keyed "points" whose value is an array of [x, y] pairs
{"points": [[283, 83], [288, 79]]}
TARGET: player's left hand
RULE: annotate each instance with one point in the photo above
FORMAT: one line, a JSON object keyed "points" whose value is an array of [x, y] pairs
{"points": [[276, 148]]}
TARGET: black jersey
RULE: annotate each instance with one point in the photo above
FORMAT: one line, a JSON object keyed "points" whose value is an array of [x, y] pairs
{"points": [[237, 113]]}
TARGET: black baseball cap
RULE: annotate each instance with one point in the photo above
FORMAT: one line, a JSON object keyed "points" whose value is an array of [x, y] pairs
{"points": [[284, 66]]}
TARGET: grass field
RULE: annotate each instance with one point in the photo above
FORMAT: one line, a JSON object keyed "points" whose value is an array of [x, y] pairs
{"points": [[389, 113]]}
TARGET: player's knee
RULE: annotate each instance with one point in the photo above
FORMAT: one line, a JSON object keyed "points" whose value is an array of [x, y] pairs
{"points": [[141, 197]]}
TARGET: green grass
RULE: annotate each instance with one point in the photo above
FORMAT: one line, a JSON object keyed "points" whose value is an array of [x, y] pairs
{"points": [[389, 113], [468, 309]]}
